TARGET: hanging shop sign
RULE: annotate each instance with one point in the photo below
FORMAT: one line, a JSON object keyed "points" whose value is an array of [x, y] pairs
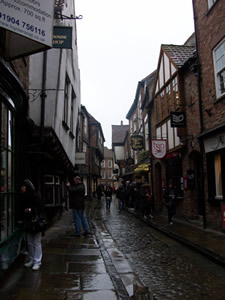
{"points": [[80, 158], [62, 37], [177, 119], [28, 24], [137, 142], [159, 148]]}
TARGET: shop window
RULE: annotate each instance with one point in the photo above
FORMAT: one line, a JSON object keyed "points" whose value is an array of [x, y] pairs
{"points": [[7, 145], [219, 68], [216, 174], [218, 177], [174, 173], [52, 193]]}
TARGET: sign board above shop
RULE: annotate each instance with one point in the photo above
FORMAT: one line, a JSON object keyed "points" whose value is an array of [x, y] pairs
{"points": [[177, 119], [28, 24], [137, 142], [159, 148], [62, 37], [80, 158]]}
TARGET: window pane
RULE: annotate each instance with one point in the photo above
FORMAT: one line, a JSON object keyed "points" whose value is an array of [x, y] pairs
{"points": [[170, 136], [49, 195], [177, 139], [3, 217], [10, 214], [164, 133], [4, 126], [222, 81], [9, 171], [57, 195], [218, 176], [158, 133], [3, 170]]}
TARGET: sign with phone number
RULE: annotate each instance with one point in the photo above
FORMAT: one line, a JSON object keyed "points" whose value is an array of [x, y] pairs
{"points": [[30, 18]]}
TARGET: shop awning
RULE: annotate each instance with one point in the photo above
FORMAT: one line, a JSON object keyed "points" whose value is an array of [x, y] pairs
{"points": [[142, 168]]}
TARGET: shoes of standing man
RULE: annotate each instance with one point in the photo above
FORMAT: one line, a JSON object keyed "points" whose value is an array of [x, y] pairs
{"points": [[86, 233], [77, 235], [29, 264], [36, 267]]}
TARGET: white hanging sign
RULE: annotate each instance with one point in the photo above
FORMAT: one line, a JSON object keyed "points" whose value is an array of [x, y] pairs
{"points": [[159, 148]]}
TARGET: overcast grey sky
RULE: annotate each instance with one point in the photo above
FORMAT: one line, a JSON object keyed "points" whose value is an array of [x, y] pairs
{"points": [[118, 45]]}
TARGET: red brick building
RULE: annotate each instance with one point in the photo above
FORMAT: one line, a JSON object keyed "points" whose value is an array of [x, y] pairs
{"points": [[107, 166], [210, 37]]}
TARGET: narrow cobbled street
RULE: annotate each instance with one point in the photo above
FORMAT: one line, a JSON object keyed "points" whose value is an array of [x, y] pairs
{"points": [[169, 269]]}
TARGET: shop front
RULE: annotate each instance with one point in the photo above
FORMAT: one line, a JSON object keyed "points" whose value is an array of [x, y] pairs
{"points": [[14, 132]]}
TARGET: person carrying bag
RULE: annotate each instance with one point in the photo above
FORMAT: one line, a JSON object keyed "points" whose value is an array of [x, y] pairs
{"points": [[34, 223]]}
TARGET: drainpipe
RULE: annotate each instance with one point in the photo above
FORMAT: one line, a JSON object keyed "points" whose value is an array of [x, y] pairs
{"points": [[201, 118], [43, 95]]}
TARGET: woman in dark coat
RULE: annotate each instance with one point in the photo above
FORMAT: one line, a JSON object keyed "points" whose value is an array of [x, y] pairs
{"points": [[32, 208], [170, 197], [108, 196]]}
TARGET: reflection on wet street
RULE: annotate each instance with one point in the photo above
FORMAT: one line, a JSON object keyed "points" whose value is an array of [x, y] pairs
{"points": [[172, 271], [124, 259]]}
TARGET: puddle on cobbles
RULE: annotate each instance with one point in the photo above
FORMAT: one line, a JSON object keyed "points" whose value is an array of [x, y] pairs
{"points": [[109, 243], [82, 258], [86, 268], [86, 252], [28, 294], [96, 282], [92, 295], [37, 281]]}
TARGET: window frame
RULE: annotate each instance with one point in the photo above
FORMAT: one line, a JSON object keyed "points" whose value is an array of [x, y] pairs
{"points": [[7, 167], [55, 185], [217, 72], [110, 163], [211, 3]]}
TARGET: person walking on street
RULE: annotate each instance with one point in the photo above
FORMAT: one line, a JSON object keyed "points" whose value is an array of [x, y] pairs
{"points": [[170, 196], [33, 209], [121, 196], [108, 196], [138, 194], [100, 193], [77, 204]]}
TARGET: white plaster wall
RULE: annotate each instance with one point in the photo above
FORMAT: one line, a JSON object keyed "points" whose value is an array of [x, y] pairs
{"points": [[59, 62]]}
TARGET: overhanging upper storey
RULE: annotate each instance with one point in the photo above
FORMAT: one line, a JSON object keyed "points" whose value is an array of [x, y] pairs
{"points": [[171, 59]]}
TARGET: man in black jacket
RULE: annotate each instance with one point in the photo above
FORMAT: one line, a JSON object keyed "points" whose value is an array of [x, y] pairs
{"points": [[77, 204]]}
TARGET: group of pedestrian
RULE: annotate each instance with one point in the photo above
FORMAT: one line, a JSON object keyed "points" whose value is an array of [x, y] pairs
{"points": [[135, 195], [104, 194]]}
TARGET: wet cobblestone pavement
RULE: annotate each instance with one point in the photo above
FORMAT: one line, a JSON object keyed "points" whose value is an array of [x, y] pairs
{"points": [[160, 266]]}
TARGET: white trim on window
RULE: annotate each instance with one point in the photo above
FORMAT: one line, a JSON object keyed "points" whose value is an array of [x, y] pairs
{"points": [[219, 68], [211, 2]]}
